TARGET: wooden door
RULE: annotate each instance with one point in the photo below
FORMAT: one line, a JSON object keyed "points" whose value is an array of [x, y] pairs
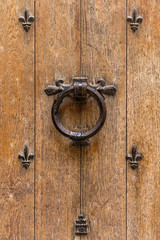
{"points": [[72, 38]]}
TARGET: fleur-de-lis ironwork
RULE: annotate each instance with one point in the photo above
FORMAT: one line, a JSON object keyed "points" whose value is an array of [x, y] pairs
{"points": [[26, 20], [26, 158], [134, 20], [134, 157]]}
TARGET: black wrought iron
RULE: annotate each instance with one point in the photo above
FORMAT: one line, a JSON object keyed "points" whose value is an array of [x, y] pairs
{"points": [[26, 20], [134, 157], [81, 226], [134, 20], [26, 158], [80, 90]]}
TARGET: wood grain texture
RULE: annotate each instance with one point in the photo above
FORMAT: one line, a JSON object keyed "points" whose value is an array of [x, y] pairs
{"points": [[103, 163], [16, 123], [143, 107], [79, 38], [57, 162]]}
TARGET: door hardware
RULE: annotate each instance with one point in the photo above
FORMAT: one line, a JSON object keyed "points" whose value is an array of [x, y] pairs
{"points": [[81, 226], [134, 20], [26, 20], [26, 158], [134, 157], [79, 90]]}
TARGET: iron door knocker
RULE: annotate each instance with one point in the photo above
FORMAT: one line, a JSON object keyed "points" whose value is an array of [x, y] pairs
{"points": [[80, 89]]}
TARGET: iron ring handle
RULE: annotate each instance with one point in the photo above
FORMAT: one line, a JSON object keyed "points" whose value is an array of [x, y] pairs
{"points": [[80, 89], [79, 136]]}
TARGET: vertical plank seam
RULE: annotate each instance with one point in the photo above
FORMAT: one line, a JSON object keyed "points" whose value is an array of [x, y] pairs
{"points": [[34, 115], [80, 107], [81, 38], [126, 112]]}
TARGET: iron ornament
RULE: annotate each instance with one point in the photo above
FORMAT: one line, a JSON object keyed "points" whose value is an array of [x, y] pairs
{"points": [[26, 20], [134, 157], [26, 158], [134, 20]]}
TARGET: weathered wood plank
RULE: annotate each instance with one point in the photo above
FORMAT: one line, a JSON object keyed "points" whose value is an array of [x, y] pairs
{"points": [[143, 121], [57, 162], [103, 163], [17, 122]]}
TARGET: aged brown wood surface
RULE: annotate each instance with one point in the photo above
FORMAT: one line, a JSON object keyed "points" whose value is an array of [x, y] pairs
{"points": [[17, 122], [103, 178], [79, 38], [143, 121], [57, 162]]}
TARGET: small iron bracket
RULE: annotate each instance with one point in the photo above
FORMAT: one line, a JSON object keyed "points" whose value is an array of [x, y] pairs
{"points": [[81, 226], [80, 89]]}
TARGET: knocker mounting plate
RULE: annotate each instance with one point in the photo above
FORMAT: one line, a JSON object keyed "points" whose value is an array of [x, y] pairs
{"points": [[80, 90]]}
